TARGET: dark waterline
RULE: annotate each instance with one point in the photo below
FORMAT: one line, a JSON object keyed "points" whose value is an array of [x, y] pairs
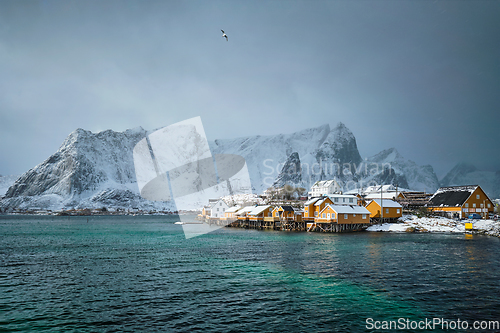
{"points": [[139, 273]]}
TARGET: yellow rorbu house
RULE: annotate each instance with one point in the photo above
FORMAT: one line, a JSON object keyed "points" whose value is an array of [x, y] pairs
{"points": [[460, 201], [242, 213], [320, 204], [340, 218], [230, 213], [259, 212], [284, 212], [343, 214], [391, 209], [309, 209]]}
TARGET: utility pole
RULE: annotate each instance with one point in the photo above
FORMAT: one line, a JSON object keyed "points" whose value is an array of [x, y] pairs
{"points": [[381, 205], [485, 211]]}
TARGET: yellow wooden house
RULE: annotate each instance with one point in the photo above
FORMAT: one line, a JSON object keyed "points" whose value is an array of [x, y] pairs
{"points": [[391, 209], [460, 201], [343, 214], [309, 209], [321, 204], [259, 212], [230, 213], [242, 214], [283, 212]]}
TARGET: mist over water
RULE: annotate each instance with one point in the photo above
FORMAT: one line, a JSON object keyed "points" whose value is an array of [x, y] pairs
{"points": [[141, 274]]}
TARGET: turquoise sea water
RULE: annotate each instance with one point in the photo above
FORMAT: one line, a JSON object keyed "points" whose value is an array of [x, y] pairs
{"points": [[104, 274]]}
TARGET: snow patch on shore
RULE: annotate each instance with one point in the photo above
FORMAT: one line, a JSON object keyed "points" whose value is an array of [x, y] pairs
{"points": [[412, 223]]}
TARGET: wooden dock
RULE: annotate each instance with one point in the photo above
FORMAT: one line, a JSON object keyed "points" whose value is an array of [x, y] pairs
{"points": [[284, 224]]}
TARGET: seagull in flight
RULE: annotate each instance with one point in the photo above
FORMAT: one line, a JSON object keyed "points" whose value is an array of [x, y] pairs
{"points": [[223, 34]]}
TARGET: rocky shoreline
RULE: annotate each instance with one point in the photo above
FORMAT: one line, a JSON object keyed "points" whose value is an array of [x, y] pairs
{"points": [[412, 223]]}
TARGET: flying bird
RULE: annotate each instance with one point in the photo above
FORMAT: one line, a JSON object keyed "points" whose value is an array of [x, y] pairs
{"points": [[223, 34]]}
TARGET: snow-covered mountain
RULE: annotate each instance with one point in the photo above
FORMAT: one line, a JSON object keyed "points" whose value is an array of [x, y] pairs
{"points": [[6, 182], [321, 153], [90, 170], [95, 170], [468, 174], [420, 178]]}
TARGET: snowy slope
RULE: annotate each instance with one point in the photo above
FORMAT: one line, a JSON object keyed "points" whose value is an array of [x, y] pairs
{"points": [[412, 223], [468, 174], [90, 170], [6, 182], [266, 155], [320, 151], [420, 178]]}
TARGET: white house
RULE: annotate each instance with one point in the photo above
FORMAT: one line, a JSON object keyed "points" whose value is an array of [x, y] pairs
{"points": [[324, 187], [389, 192], [344, 199], [218, 208]]}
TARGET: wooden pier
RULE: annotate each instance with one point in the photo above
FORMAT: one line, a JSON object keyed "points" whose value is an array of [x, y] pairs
{"points": [[335, 227], [284, 224]]}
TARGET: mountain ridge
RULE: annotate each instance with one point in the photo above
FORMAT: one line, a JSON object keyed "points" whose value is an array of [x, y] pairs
{"points": [[94, 170], [465, 173]]}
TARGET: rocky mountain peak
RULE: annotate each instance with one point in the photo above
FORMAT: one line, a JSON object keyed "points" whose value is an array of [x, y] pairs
{"points": [[387, 155], [291, 173]]}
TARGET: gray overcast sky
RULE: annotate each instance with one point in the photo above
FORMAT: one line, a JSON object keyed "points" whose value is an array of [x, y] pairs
{"points": [[420, 76]]}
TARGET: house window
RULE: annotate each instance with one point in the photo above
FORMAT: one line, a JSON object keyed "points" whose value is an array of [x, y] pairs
{"points": [[336, 199], [489, 205], [315, 213], [354, 215], [397, 210], [364, 216], [276, 214], [217, 209], [477, 196], [387, 210], [223, 209], [324, 215], [481, 205], [328, 216], [345, 216], [350, 200], [466, 205], [474, 205], [343, 199]]}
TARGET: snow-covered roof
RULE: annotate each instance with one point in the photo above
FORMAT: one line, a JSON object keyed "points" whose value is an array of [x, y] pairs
{"points": [[342, 196], [452, 196], [245, 210], [285, 208], [311, 201], [213, 202], [387, 203], [345, 209], [376, 188], [465, 188], [324, 183], [233, 209], [385, 195], [353, 191], [319, 202], [257, 210]]}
